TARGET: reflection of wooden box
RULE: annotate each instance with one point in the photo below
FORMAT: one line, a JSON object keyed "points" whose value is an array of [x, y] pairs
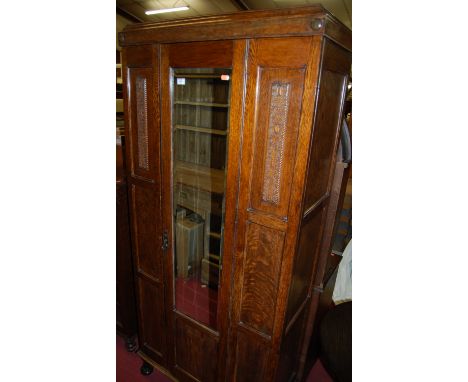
{"points": [[189, 246], [209, 273]]}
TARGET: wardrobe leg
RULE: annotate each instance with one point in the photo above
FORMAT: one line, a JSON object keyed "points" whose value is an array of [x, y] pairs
{"points": [[130, 343], [146, 368]]}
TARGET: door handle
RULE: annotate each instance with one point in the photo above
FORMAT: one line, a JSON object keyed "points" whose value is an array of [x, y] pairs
{"points": [[165, 241]]}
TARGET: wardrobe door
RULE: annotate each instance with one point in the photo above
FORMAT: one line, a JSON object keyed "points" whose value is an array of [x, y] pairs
{"points": [[200, 89], [143, 154]]}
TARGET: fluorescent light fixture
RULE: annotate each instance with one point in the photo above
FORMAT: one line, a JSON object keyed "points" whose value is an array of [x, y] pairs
{"points": [[166, 10]]}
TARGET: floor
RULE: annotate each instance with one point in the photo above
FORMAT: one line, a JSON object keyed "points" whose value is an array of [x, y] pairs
{"points": [[197, 301], [128, 369]]}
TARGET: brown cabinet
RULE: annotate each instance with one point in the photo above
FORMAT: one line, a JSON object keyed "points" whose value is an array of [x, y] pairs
{"points": [[233, 124]]}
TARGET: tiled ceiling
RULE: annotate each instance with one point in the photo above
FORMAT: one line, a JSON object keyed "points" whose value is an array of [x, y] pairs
{"points": [[340, 8]]}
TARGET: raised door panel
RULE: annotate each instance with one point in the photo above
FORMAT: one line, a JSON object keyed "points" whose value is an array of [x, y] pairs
{"points": [[277, 70], [325, 135], [277, 123], [252, 356], [264, 247], [333, 80], [147, 230], [290, 347], [152, 329], [307, 252], [196, 351]]}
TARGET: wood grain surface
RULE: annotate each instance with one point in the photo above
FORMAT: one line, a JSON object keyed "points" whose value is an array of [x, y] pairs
{"points": [[279, 126]]}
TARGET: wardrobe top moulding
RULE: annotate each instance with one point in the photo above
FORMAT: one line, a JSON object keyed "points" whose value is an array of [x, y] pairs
{"points": [[302, 21]]}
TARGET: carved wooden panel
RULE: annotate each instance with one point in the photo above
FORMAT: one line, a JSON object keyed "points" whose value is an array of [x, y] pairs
{"points": [[263, 254], [276, 134], [144, 124], [251, 358], [327, 123], [278, 107], [151, 315], [196, 350], [141, 90], [146, 230]]}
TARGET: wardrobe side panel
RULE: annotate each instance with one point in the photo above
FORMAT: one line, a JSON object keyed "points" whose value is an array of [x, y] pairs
{"points": [[314, 237]]}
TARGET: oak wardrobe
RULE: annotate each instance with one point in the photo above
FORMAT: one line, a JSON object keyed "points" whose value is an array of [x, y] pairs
{"points": [[233, 124]]}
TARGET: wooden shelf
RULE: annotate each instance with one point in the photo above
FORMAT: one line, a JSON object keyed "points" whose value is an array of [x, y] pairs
{"points": [[200, 76], [199, 177], [201, 129], [216, 259], [215, 235], [210, 104]]}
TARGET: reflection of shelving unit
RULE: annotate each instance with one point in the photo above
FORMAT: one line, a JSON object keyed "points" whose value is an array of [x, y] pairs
{"points": [[201, 104], [201, 129], [192, 103], [119, 94], [198, 75], [200, 189], [199, 177]]}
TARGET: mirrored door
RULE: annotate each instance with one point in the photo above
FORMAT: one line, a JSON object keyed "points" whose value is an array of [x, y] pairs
{"points": [[200, 130]]}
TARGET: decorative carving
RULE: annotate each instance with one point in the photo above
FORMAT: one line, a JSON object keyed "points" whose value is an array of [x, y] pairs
{"points": [[279, 103], [142, 122], [316, 24]]}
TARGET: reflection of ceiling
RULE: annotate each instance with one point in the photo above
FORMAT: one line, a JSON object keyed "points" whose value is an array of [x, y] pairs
{"points": [[136, 8]]}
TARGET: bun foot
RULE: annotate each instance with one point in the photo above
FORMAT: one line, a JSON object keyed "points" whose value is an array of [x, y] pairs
{"points": [[130, 344], [146, 368]]}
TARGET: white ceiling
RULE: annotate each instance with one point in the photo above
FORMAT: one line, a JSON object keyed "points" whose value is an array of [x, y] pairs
{"points": [[340, 8]]}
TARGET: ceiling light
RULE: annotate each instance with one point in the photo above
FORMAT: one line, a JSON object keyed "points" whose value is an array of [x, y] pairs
{"points": [[166, 10]]}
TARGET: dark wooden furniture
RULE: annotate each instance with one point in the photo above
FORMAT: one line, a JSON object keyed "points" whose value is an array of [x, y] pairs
{"points": [[233, 125], [336, 342], [125, 293], [328, 265]]}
